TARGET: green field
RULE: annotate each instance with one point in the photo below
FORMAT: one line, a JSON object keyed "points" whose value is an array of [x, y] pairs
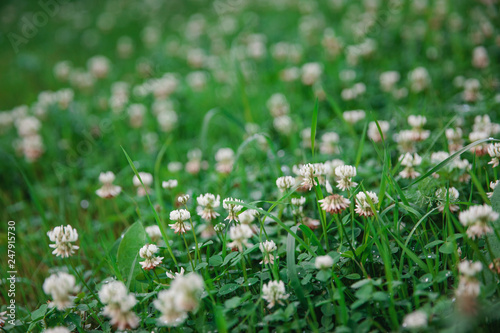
{"points": [[238, 165]]}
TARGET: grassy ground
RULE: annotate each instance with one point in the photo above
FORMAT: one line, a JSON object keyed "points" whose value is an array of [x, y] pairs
{"points": [[403, 258]]}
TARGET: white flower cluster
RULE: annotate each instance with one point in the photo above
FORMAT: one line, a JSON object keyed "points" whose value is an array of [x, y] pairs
{"points": [[154, 233], [409, 161], [285, 183], [182, 297], [477, 219], [363, 207], [225, 160], [148, 252], [63, 237], [344, 174], [267, 247], [180, 215], [494, 152], [274, 293], [240, 234], [60, 287], [108, 190], [451, 196], [232, 209], [323, 262], [118, 305], [309, 172]]}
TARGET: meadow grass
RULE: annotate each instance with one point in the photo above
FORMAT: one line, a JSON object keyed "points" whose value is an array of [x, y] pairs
{"points": [[403, 252]]}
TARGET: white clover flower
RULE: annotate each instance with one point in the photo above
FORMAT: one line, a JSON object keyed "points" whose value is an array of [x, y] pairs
{"points": [[476, 219], [298, 204], [60, 287], [99, 66], [345, 173], [283, 125], [409, 161], [480, 57], [468, 286], [206, 206], [108, 190], [63, 236], [309, 172], [136, 114], [148, 252], [240, 234], [154, 233], [417, 121], [225, 160], [274, 292], [169, 184], [278, 105], [388, 80], [493, 185], [419, 79], [147, 180], [172, 275], [4, 318], [167, 119], [267, 247], [298, 201], [452, 194], [334, 203], [119, 304], [189, 289], [248, 216], [311, 73], [455, 141], [180, 215], [183, 199], [363, 207], [414, 320], [183, 296], [329, 143], [470, 268], [354, 116], [57, 329], [494, 152], [323, 262], [28, 126], [232, 209], [171, 315], [285, 183]]}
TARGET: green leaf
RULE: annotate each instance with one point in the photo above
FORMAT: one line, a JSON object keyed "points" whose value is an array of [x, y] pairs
{"points": [[215, 260], [207, 243], [128, 252], [230, 256], [201, 265], [228, 288], [232, 302], [39, 313], [434, 243], [447, 248], [323, 275], [353, 276], [361, 283]]}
